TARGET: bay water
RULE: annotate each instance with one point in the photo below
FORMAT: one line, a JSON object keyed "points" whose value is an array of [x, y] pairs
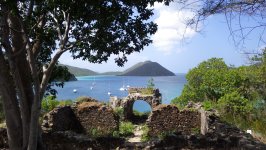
{"points": [[98, 87]]}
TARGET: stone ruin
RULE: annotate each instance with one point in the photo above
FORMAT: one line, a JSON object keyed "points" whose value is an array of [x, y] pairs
{"points": [[61, 119], [153, 99], [96, 117], [83, 117], [69, 127], [167, 118]]}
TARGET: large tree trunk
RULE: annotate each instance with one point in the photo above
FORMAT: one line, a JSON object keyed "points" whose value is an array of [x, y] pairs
{"points": [[22, 74], [22, 91], [11, 107]]}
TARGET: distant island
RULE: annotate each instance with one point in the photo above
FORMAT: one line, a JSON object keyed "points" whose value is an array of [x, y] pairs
{"points": [[76, 71], [147, 68]]}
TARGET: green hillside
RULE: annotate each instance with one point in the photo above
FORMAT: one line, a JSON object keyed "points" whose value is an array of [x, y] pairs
{"points": [[147, 68], [81, 71]]}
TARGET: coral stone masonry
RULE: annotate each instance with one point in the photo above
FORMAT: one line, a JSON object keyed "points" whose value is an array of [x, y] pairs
{"points": [[151, 96], [167, 119], [97, 118]]}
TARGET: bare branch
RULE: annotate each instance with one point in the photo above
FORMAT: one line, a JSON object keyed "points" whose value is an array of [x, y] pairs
{"points": [[57, 26], [67, 27]]}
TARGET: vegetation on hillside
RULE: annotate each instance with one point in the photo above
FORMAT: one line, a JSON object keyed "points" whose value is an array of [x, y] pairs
{"points": [[147, 68], [80, 71], [239, 93]]}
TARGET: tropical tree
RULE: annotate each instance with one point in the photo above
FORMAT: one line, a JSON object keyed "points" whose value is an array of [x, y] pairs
{"points": [[210, 80], [33, 36]]}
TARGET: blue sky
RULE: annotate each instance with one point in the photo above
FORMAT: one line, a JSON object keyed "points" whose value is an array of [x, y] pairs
{"points": [[179, 54]]}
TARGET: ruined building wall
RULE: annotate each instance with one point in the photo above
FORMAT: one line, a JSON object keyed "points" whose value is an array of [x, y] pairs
{"points": [[96, 117], [167, 118], [86, 117]]}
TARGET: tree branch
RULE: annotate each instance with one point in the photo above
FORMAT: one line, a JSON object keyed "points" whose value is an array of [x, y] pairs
{"points": [[57, 26], [47, 73], [67, 27]]}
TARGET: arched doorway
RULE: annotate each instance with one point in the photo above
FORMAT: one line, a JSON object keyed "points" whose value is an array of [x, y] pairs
{"points": [[141, 111], [141, 105], [150, 101]]}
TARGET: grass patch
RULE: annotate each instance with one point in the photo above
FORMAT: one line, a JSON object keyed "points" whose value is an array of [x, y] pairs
{"points": [[195, 130], [95, 133], [163, 134], [145, 137], [68, 102], [49, 103], [126, 129], [119, 111]]}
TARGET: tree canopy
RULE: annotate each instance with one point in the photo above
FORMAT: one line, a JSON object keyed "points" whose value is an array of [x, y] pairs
{"points": [[35, 33], [238, 93]]}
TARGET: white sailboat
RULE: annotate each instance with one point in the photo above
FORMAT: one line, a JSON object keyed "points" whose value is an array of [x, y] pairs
{"points": [[74, 90], [124, 88], [109, 89]]}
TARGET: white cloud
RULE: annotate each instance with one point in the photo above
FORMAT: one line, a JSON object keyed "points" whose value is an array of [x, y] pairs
{"points": [[171, 27]]}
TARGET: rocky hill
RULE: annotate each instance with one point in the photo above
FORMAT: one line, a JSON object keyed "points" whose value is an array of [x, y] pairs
{"points": [[147, 68]]}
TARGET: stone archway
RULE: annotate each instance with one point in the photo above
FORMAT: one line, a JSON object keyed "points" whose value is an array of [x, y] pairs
{"points": [[153, 99]]}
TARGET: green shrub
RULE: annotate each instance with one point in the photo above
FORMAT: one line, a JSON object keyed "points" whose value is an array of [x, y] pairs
{"points": [[163, 134], [208, 105], [66, 103], [234, 103], [150, 84], [49, 103], [147, 91], [116, 134], [126, 129], [145, 137], [195, 130], [119, 111], [94, 133], [259, 127]]}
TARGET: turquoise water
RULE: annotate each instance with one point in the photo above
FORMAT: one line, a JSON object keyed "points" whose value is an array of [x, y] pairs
{"points": [[99, 86]]}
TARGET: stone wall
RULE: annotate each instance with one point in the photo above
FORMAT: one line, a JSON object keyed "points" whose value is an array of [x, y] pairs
{"points": [[88, 117], [167, 118], [96, 118], [61, 119]]}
